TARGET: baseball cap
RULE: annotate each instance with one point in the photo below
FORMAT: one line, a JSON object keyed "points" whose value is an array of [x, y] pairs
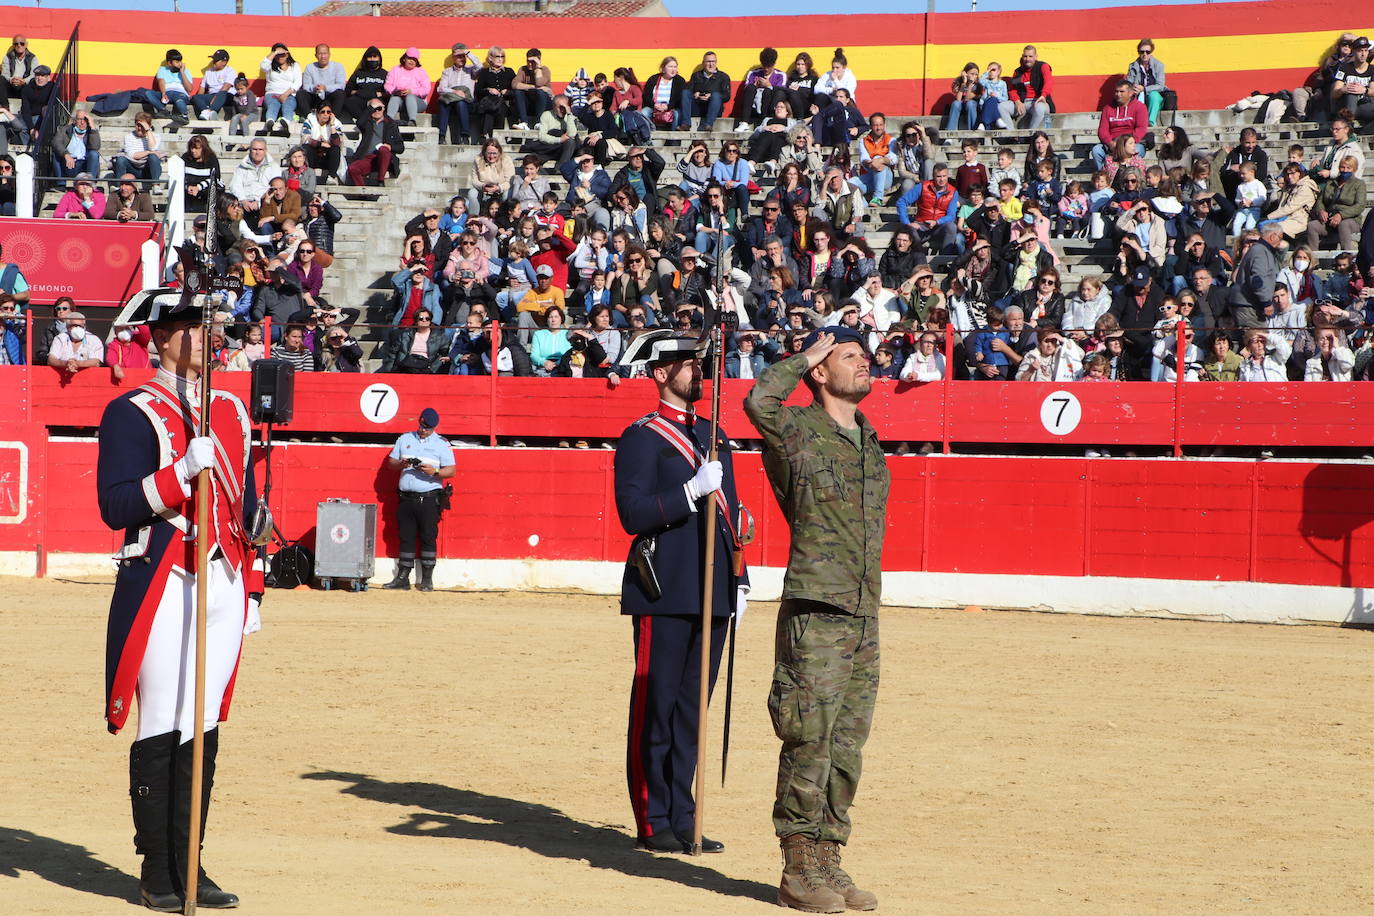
{"points": [[1140, 277], [543, 270], [841, 333], [221, 54], [459, 48], [429, 417], [1361, 42]]}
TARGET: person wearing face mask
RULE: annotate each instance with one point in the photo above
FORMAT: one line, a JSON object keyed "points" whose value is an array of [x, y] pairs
{"points": [[1340, 204], [76, 147], [128, 349], [74, 349], [367, 83]]}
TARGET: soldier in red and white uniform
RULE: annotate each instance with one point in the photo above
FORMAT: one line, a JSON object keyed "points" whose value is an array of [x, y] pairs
{"points": [[150, 454]]}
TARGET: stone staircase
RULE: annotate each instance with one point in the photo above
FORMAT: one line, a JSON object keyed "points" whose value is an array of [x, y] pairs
{"points": [[369, 238]]}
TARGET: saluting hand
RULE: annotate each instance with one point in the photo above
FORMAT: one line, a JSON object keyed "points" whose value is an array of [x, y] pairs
{"points": [[818, 351]]}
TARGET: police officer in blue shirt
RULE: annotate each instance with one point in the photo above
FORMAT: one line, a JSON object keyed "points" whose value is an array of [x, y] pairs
{"points": [[425, 461], [663, 481]]}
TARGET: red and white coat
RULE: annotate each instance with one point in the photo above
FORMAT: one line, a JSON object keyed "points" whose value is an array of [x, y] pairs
{"points": [[142, 435]]}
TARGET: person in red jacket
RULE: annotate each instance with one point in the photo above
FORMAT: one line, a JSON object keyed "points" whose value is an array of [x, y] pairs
{"points": [[1125, 115], [555, 250], [936, 202], [128, 349]]}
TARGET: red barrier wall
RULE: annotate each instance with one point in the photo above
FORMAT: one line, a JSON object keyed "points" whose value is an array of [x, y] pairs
{"points": [[1112, 413], [1299, 523], [96, 263]]}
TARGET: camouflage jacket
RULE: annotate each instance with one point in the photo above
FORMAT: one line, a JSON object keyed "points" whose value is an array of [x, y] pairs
{"points": [[833, 496]]}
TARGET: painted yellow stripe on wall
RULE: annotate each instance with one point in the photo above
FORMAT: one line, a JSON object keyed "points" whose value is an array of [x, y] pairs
{"points": [[1205, 54], [140, 61]]}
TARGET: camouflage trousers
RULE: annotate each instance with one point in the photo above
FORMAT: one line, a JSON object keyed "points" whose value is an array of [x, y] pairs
{"points": [[825, 682]]}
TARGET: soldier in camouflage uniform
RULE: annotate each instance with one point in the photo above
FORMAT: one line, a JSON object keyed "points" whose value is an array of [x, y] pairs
{"points": [[831, 480]]}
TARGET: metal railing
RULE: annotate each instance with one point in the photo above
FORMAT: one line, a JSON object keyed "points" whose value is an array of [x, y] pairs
{"points": [[58, 114]]}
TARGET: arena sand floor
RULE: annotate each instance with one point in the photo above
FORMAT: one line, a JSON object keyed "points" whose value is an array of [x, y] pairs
{"points": [[464, 753]]}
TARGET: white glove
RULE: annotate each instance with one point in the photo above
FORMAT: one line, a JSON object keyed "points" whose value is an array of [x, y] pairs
{"points": [[200, 454], [706, 481], [741, 604], [254, 621]]}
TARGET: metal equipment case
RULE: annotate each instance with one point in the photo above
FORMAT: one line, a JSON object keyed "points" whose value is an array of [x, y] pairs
{"points": [[345, 542]]}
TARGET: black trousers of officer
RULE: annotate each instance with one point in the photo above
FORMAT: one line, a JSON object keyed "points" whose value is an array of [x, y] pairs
{"points": [[417, 516], [664, 711]]}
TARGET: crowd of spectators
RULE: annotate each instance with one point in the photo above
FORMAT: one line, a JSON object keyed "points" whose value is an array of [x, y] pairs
{"points": [[1209, 257]]}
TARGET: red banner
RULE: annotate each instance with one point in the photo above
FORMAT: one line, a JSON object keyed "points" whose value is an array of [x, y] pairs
{"points": [[96, 263]]}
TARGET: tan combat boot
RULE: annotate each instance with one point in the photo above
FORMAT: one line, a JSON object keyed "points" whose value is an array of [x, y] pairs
{"points": [[804, 884], [828, 854]]}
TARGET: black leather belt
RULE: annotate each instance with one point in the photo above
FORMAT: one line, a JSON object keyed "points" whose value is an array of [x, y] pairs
{"points": [[409, 494]]}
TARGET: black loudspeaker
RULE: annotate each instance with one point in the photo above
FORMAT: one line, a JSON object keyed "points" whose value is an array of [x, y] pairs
{"points": [[274, 386]]}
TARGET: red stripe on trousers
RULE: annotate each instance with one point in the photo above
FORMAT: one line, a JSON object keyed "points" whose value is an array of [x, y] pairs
{"points": [[639, 786]]}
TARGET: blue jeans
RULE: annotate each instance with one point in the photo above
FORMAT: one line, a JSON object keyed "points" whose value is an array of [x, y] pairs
{"points": [[460, 115], [176, 100], [1099, 154], [708, 110], [151, 169], [968, 109], [529, 105], [706, 242], [739, 195], [990, 112], [91, 164], [876, 184], [275, 108], [214, 101]]}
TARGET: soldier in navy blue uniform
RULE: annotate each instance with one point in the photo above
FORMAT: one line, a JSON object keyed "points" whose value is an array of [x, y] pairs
{"points": [[150, 454], [662, 483]]}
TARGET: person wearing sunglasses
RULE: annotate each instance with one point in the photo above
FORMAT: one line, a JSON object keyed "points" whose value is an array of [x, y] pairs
{"points": [[379, 146], [1146, 76], [17, 66]]}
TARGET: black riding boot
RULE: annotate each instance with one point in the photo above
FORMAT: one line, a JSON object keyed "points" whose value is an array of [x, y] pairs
{"points": [[426, 577], [150, 791], [208, 893], [402, 580]]}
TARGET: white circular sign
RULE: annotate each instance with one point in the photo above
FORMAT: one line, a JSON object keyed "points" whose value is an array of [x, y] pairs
{"points": [[339, 534], [1060, 413], [379, 403]]}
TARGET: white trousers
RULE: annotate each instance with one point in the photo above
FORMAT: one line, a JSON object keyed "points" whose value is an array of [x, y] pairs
{"points": [[167, 678]]}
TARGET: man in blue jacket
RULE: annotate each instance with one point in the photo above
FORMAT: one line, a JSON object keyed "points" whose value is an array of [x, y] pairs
{"points": [[662, 483]]}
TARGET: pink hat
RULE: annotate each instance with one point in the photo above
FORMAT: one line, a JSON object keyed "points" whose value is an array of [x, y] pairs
{"points": [[413, 52]]}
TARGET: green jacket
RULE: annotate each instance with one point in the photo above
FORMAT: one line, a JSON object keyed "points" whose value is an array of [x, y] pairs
{"points": [[1344, 197], [833, 495]]}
